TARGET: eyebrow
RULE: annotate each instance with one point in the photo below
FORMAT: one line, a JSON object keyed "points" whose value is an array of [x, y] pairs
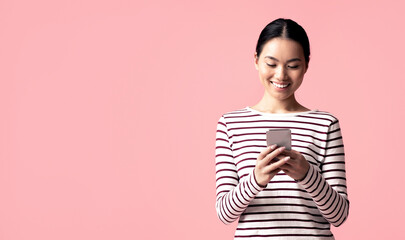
{"points": [[275, 59]]}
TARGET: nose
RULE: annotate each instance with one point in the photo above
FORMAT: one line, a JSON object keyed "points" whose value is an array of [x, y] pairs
{"points": [[280, 73]]}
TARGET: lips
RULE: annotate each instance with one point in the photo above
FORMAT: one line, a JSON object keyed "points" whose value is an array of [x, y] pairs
{"points": [[281, 85]]}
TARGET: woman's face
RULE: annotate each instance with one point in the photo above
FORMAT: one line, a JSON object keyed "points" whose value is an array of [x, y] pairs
{"points": [[281, 66]]}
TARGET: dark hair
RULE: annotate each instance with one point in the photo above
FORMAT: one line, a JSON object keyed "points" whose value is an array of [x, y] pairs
{"points": [[284, 28]]}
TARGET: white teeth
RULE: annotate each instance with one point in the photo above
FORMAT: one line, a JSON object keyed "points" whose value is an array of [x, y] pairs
{"points": [[279, 85]]}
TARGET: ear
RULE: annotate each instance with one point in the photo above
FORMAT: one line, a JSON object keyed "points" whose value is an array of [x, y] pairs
{"points": [[256, 59], [306, 65]]}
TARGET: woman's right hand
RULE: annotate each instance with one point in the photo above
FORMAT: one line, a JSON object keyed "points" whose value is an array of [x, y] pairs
{"points": [[265, 169]]}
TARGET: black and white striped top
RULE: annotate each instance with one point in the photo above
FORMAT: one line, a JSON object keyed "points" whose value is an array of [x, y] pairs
{"points": [[285, 208]]}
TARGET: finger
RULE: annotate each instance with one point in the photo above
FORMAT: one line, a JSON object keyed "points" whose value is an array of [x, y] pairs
{"points": [[272, 155], [288, 153], [276, 159], [274, 172], [292, 153], [280, 156], [286, 167], [266, 151], [276, 165]]}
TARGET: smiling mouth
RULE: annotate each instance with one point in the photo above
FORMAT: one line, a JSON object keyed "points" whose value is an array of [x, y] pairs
{"points": [[280, 85]]}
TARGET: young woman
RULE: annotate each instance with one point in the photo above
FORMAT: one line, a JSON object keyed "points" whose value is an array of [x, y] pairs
{"points": [[278, 193]]}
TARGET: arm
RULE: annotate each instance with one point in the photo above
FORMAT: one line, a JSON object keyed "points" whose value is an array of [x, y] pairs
{"points": [[232, 194], [328, 187]]}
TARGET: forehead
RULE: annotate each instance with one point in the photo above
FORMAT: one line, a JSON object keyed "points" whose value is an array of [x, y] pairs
{"points": [[283, 49]]}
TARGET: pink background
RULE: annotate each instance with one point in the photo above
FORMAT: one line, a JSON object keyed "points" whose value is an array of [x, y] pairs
{"points": [[109, 111]]}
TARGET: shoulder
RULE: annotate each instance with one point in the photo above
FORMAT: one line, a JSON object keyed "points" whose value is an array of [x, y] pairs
{"points": [[325, 115], [333, 123], [241, 112]]}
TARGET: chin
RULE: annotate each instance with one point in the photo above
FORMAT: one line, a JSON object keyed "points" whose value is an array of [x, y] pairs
{"points": [[280, 96]]}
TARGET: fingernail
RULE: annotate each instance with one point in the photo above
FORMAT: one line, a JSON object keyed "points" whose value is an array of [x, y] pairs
{"points": [[273, 146], [282, 149], [287, 158]]}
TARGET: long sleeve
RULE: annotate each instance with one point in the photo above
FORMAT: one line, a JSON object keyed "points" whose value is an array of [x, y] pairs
{"points": [[328, 187], [233, 195]]}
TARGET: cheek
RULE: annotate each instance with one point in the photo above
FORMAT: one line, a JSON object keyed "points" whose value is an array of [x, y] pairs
{"points": [[298, 76], [265, 72], [264, 76]]}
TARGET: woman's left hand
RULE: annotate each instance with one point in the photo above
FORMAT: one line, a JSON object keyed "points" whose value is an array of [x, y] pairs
{"points": [[297, 167]]}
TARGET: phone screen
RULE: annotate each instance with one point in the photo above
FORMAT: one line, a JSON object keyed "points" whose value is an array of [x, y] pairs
{"points": [[281, 137]]}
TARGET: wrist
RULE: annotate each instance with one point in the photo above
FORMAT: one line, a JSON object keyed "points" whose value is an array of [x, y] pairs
{"points": [[257, 182], [303, 177]]}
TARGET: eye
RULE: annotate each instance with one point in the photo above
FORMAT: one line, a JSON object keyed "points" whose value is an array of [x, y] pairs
{"points": [[294, 66], [271, 65]]}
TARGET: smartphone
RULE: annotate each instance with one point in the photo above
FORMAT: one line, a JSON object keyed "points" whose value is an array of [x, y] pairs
{"points": [[281, 137]]}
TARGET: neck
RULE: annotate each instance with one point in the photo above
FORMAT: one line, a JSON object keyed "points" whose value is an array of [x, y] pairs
{"points": [[271, 105]]}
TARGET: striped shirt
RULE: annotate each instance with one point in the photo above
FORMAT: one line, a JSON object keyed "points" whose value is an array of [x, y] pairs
{"points": [[285, 208]]}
